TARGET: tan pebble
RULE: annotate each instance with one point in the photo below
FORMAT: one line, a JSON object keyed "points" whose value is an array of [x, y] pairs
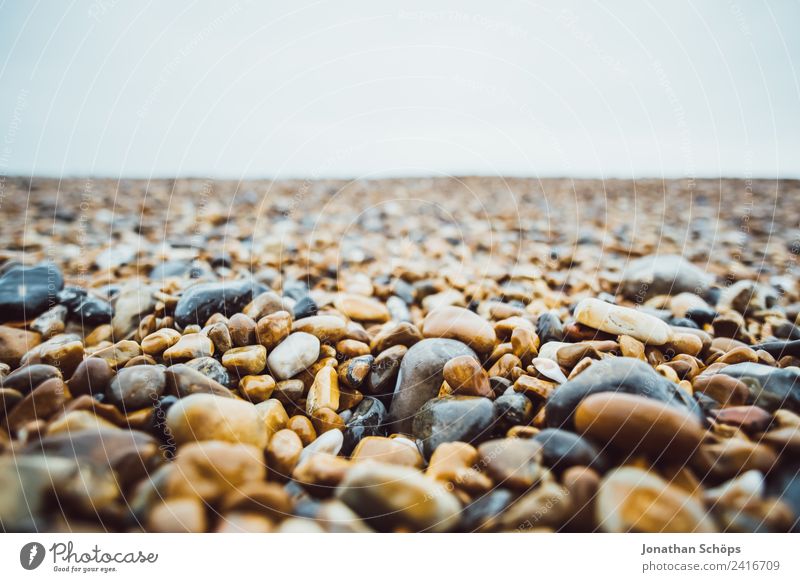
{"points": [[325, 419], [242, 330], [246, 360], [525, 344], [630, 347], [618, 320], [348, 348], [188, 347], [387, 450], [503, 367], [326, 328], [220, 336], [725, 389], [454, 464], [460, 324], [273, 416], [465, 376], [158, 341], [257, 388], [15, 343], [321, 473], [283, 452], [513, 463], [324, 392], [395, 334], [199, 417], [534, 388], [739, 355], [268, 499], [304, 428], [273, 329], [686, 343], [361, 308]]}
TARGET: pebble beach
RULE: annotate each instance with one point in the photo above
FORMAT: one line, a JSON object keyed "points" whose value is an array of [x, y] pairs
{"points": [[399, 355]]}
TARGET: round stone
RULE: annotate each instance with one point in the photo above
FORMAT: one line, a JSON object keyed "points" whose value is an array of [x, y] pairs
{"points": [[293, 355], [361, 308], [137, 387], [246, 360], [201, 417], [326, 328], [324, 392], [465, 376], [188, 347], [26, 292], [460, 324], [397, 451], [455, 418]]}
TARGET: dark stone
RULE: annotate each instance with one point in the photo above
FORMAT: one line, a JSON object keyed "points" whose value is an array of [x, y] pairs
{"points": [[26, 292], [92, 376], [512, 410], [420, 377], [778, 349], [653, 275], [466, 419], [137, 387], [562, 449], [481, 513], [27, 378], [358, 370], [683, 322], [701, 315], [85, 308], [786, 330], [549, 328], [221, 260], [770, 388], [706, 403], [627, 375], [305, 307], [383, 377], [211, 368], [499, 385], [369, 419], [183, 380], [202, 300]]}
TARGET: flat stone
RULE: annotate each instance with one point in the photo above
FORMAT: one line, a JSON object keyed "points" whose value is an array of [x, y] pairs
{"points": [[293, 355], [634, 500], [770, 388], [200, 417], [455, 418], [137, 387], [361, 308], [188, 347], [202, 300], [460, 324], [626, 375], [246, 360], [646, 277], [618, 320], [640, 425], [326, 328], [420, 376], [396, 498], [26, 292], [160, 340]]}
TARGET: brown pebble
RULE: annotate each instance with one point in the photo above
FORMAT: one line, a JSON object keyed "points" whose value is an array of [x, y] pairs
{"points": [[283, 452], [304, 428]]}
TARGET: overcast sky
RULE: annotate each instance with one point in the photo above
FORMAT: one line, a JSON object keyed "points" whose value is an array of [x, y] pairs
{"points": [[366, 88]]}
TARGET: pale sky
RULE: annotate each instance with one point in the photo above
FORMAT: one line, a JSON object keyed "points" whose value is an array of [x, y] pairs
{"points": [[367, 89]]}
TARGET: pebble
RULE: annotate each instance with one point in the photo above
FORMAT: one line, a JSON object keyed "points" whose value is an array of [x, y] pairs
{"points": [[386, 450], [329, 443], [262, 305], [283, 453], [211, 368], [202, 300], [618, 320], [200, 417], [465, 376], [395, 334], [188, 347], [178, 516], [361, 308], [304, 429], [562, 449], [392, 498], [27, 378], [118, 354], [15, 343], [257, 388], [272, 329], [272, 415], [26, 292], [326, 328], [137, 387], [625, 375], [324, 392], [306, 307], [454, 418], [157, 342], [246, 360], [636, 424], [420, 376], [183, 380], [134, 302], [512, 463], [368, 420], [460, 324], [85, 308], [635, 500], [456, 465], [354, 372], [751, 419], [51, 322], [242, 330], [382, 378], [293, 355], [44, 402]]}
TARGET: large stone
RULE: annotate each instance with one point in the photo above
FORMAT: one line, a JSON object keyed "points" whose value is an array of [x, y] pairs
{"points": [[421, 374], [202, 300], [395, 498], [627, 375], [455, 418], [26, 292], [618, 320], [662, 275], [201, 417], [770, 388]]}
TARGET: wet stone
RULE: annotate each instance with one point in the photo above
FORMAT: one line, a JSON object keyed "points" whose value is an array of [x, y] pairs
{"points": [[456, 418], [51, 322], [513, 463], [460, 324], [26, 292], [202, 300], [188, 347], [618, 320], [770, 388], [662, 275], [420, 376], [183, 380], [562, 449], [15, 343], [306, 307], [84, 307], [27, 378], [382, 378], [465, 376], [293, 355], [368, 420], [200, 417], [137, 387], [211, 368], [510, 410], [245, 360]]}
